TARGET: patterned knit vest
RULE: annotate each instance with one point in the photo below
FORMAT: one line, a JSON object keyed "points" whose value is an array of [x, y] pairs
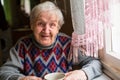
{"points": [[39, 62]]}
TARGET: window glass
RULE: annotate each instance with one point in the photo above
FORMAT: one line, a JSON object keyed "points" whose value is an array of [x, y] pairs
{"points": [[113, 35], [2, 2]]}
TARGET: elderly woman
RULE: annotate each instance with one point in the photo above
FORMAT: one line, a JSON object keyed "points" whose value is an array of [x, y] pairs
{"points": [[46, 50]]}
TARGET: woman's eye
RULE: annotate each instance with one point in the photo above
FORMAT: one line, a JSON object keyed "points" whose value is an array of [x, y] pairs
{"points": [[40, 24], [52, 25]]}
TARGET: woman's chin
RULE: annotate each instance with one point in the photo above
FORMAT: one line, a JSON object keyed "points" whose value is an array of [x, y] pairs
{"points": [[46, 42]]}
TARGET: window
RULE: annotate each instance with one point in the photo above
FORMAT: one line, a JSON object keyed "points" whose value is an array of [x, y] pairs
{"points": [[2, 2], [111, 60], [112, 36], [25, 5]]}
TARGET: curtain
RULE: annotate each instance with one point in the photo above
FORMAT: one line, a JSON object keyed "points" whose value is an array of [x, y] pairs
{"points": [[89, 17]]}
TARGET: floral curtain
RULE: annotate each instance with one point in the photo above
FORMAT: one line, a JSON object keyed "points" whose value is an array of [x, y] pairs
{"points": [[89, 18]]}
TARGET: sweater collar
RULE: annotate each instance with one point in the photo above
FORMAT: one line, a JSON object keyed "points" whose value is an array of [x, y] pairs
{"points": [[41, 46]]}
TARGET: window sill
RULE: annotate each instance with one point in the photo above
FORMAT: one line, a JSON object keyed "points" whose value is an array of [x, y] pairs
{"points": [[111, 66]]}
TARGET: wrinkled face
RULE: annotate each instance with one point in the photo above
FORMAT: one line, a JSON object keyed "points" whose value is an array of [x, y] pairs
{"points": [[45, 28]]}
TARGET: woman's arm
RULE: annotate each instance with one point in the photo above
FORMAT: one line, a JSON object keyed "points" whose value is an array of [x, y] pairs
{"points": [[11, 69], [90, 65], [90, 69]]}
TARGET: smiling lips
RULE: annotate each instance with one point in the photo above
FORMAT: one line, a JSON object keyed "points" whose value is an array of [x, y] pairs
{"points": [[45, 36]]}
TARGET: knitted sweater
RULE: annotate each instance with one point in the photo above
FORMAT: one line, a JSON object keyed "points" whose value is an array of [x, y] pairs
{"points": [[39, 61], [28, 57]]}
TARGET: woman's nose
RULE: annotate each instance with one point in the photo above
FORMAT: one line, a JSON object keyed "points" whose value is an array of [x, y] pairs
{"points": [[47, 28]]}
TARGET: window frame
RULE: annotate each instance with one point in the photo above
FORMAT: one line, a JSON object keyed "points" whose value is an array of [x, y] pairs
{"points": [[110, 63]]}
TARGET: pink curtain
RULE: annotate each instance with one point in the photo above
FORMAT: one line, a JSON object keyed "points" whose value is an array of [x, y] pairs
{"points": [[96, 16]]}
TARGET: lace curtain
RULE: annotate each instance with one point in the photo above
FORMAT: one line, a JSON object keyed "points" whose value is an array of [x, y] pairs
{"points": [[89, 17]]}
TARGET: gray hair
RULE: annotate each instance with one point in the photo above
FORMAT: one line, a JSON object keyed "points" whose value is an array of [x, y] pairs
{"points": [[46, 6]]}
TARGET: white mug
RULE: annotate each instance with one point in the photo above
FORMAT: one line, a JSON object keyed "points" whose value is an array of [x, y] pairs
{"points": [[54, 76]]}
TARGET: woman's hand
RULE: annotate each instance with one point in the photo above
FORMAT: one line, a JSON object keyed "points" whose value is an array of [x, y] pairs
{"points": [[30, 78], [75, 75]]}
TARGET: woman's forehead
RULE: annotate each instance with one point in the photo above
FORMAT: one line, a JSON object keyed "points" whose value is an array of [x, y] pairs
{"points": [[47, 16]]}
